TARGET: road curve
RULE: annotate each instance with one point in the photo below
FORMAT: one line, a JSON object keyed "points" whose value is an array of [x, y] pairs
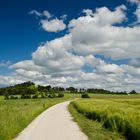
{"points": [[53, 124]]}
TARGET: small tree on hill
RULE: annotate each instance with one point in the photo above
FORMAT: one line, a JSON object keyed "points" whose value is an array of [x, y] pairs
{"points": [[133, 92]]}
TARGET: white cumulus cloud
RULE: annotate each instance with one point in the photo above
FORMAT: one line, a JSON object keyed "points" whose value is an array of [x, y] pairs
{"points": [[50, 23], [65, 61], [54, 25]]}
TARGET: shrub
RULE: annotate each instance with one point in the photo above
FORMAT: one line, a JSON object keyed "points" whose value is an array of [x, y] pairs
{"points": [[60, 95], [6, 97], [46, 93], [85, 95], [13, 97], [50, 96], [43, 95], [16, 97], [35, 96], [23, 96], [28, 96]]}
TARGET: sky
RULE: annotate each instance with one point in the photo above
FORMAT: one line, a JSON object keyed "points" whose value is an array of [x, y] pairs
{"points": [[90, 44]]}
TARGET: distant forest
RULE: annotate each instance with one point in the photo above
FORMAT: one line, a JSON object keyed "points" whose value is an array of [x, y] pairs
{"points": [[29, 88]]}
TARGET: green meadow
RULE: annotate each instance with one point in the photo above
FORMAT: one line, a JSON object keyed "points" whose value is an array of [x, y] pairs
{"points": [[101, 117], [15, 115], [118, 114]]}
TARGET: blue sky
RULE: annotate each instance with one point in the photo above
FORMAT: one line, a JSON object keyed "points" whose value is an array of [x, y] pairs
{"points": [[20, 32], [24, 27]]}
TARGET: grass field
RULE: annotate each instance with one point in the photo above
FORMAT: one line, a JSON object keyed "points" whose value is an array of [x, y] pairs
{"points": [[17, 114], [117, 113], [93, 129]]}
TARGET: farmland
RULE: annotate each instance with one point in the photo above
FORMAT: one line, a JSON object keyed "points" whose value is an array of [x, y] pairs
{"points": [[103, 116], [15, 115], [119, 114]]}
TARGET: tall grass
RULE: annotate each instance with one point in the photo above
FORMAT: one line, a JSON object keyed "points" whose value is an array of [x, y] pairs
{"points": [[15, 115], [117, 115]]}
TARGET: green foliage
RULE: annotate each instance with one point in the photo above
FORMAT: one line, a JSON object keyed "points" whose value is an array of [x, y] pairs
{"points": [[60, 95], [85, 95], [72, 90], [52, 95], [13, 97], [43, 95], [29, 88], [25, 96], [103, 91], [133, 92], [121, 115], [6, 96], [35, 96], [48, 88]]}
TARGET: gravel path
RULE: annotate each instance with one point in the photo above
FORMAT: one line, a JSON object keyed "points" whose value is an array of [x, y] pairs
{"points": [[53, 124]]}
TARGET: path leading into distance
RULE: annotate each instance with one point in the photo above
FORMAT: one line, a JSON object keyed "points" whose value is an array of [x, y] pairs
{"points": [[53, 124]]}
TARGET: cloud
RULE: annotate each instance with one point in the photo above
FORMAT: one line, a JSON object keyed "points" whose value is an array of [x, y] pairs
{"points": [[5, 63], [99, 35], [134, 62], [9, 80], [50, 23], [88, 12], [137, 13], [54, 25], [47, 14], [63, 17], [102, 16], [65, 61], [36, 13], [133, 1], [59, 60]]}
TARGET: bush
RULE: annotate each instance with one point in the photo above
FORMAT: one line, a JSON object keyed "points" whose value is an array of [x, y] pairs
{"points": [[23, 96], [28, 96], [43, 96], [16, 97], [13, 97], [60, 95], [85, 95], [6, 97], [46, 93], [50, 96], [35, 96]]}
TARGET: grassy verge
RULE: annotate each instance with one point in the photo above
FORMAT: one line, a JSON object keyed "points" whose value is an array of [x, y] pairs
{"points": [[113, 96], [15, 115], [118, 115], [93, 129]]}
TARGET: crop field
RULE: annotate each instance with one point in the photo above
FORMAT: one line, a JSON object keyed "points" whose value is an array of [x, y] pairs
{"points": [[15, 115], [118, 114]]}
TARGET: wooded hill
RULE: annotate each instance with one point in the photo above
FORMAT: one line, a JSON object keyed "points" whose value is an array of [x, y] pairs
{"points": [[29, 88]]}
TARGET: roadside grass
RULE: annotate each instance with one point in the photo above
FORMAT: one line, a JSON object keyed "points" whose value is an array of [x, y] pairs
{"points": [[93, 129], [15, 115], [113, 96], [118, 114]]}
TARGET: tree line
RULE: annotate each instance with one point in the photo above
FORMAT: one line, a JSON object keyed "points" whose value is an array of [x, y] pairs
{"points": [[28, 89]]}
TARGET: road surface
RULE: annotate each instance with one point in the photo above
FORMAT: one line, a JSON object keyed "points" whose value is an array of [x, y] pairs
{"points": [[53, 124]]}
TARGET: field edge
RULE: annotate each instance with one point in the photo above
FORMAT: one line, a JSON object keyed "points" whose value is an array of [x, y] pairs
{"points": [[93, 129]]}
